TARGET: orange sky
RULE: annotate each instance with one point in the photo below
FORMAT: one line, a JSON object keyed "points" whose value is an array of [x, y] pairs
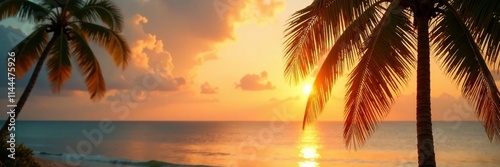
{"points": [[207, 60]]}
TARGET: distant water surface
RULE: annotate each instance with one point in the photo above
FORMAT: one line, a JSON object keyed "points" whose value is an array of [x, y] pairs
{"points": [[250, 144]]}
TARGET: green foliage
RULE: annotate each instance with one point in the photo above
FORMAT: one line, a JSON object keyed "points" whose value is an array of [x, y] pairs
{"points": [[24, 156]]}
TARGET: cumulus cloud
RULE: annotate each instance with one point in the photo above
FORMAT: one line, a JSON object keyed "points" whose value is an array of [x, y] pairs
{"points": [[147, 51], [255, 82], [240, 11], [150, 61], [267, 9], [206, 88], [162, 34], [191, 31], [157, 81], [148, 57], [270, 7]]}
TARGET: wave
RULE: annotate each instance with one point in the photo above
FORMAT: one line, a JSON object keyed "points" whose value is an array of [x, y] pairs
{"points": [[207, 153], [116, 161]]}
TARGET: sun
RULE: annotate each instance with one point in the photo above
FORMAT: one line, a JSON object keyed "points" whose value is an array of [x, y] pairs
{"points": [[307, 89]]}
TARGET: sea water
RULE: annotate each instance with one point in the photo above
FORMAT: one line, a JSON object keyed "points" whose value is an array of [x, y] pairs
{"points": [[268, 143]]}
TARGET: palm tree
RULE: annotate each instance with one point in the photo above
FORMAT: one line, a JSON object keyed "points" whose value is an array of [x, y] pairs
{"points": [[63, 30], [465, 38]]}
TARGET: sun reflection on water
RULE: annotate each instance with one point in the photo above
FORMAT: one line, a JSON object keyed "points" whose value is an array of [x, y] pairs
{"points": [[309, 148]]}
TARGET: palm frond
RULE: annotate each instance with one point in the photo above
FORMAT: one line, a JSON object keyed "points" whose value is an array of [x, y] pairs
{"points": [[308, 35], [312, 30], [375, 82], [24, 10], [346, 50], [59, 3], [101, 10], [28, 51], [59, 64], [482, 18], [73, 6], [50, 4], [461, 58], [88, 66], [343, 12], [110, 40]]}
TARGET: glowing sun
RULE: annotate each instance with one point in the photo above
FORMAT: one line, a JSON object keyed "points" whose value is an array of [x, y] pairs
{"points": [[307, 89]]}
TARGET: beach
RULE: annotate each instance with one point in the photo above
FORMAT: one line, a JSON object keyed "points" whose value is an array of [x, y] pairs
{"points": [[50, 163]]}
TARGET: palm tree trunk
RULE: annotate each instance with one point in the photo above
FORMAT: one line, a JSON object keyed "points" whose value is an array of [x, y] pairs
{"points": [[31, 83], [425, 141]]}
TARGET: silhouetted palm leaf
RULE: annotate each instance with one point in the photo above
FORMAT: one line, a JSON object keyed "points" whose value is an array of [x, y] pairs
{"points": [[465, 35], [59, 64], [345, 52], [101, 10], [88, 65], [113, 42], [24, 10], [312, 30], [461, 58], [376, 81], [29, 49], [482, 18], [88, 15], [64, 21]]}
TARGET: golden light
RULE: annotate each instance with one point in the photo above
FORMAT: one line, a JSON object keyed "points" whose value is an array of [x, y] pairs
{"points": [[309, 148], [308, 164], [309, 153], [307, 89]]}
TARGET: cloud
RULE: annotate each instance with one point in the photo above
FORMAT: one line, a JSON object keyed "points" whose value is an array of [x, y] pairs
{"points": [[241, 11], [150, 61], [157, 81], [148, 57], [191, 31], [268, 8], [10, 37], [168, 40], [148, 52], [255, 82], [206, 88], [134, 97], [173, 38]]}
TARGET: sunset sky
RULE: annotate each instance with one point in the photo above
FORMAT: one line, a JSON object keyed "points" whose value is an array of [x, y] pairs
{"points": [[214, 60]]}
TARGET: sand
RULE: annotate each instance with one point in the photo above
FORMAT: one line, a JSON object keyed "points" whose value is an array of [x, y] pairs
{"points": [[50, 163]]}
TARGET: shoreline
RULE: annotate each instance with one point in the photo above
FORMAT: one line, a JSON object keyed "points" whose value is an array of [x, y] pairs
{"points": [[49, 163]]}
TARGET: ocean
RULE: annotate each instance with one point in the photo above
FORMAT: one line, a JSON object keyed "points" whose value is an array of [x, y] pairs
{"points": [[263, 144]]}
